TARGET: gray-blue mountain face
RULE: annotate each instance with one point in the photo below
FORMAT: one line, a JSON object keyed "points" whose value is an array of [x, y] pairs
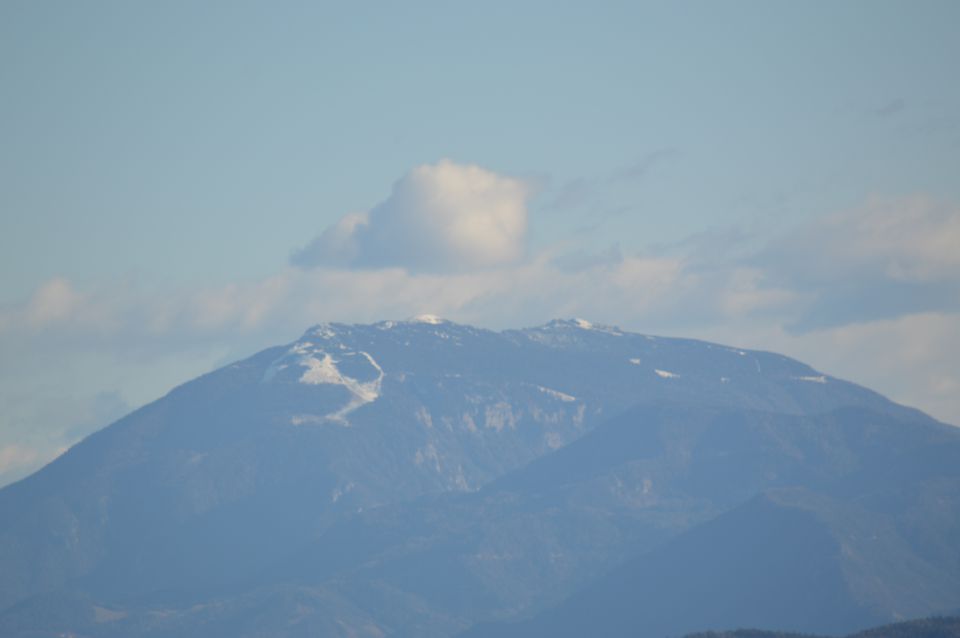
{"points": [[425, 478]]}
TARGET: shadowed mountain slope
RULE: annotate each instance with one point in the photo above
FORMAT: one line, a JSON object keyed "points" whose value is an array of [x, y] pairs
{"points": [[417, 478]]}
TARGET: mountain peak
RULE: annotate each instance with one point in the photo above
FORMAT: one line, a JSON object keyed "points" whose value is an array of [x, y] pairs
{"points": [[327, 330], [400, 461], [579, 324], [427, 318]]}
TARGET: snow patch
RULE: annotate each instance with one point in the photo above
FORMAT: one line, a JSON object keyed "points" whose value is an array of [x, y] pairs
{"points": [[324, 371], [321, 371], [635, 361], [427, 318], [587, 325], [324, 331], [817, 379], [566, 398], [667, 375], [307, 419], [321, 368]]}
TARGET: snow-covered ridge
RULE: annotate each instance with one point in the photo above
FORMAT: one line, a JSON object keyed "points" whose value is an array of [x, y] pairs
{"points": [[423, 319], [581, 324], [644, 351], [322, 330], [427, 318]]}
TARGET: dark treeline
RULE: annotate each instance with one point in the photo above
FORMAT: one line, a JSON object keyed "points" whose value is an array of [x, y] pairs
{"points": [[923, 628]]}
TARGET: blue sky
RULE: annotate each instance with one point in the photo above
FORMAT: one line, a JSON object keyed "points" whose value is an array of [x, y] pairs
{"points": [[181, 184]]}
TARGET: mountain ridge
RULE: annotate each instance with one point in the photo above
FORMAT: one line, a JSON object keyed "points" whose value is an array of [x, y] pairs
{"points": [[458, 476], [934, 627]]}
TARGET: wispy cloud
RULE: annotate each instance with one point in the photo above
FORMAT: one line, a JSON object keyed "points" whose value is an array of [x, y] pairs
{"points": [[882, 260], [891, 108], [641, 168]]}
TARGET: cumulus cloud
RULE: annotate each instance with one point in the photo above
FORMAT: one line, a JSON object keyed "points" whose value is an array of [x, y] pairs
{"points": [[443, 217]]}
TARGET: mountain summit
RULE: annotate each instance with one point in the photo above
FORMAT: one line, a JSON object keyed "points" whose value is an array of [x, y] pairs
{"points": [[426, 478]]}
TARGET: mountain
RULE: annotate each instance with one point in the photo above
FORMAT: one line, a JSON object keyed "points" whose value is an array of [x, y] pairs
{"points": [[839, 534], [936, 627], [426, 478]]}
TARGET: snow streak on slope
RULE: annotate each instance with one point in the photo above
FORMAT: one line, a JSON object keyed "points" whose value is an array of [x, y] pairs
{"points": [[321, 368], [556, 394]]}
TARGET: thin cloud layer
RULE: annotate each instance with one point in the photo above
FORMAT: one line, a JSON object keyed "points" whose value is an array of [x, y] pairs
{"points": [[883, 260], [912, 240], [443, 217]]}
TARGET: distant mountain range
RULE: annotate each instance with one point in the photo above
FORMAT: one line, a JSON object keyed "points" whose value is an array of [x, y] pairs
{"points": [[922, 628], [425, 478]]}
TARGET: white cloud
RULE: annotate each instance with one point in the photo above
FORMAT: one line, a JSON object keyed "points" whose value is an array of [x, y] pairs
{"points": [[886, 259], [911, 239], [54, 301], [14, 457], [439, 218], [744, 294]]}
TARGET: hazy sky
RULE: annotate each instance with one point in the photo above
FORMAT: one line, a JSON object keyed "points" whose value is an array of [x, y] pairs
{"points": [[183, 183]]}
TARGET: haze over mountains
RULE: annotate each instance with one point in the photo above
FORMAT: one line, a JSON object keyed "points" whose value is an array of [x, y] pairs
{"points": [[425, 478]]}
